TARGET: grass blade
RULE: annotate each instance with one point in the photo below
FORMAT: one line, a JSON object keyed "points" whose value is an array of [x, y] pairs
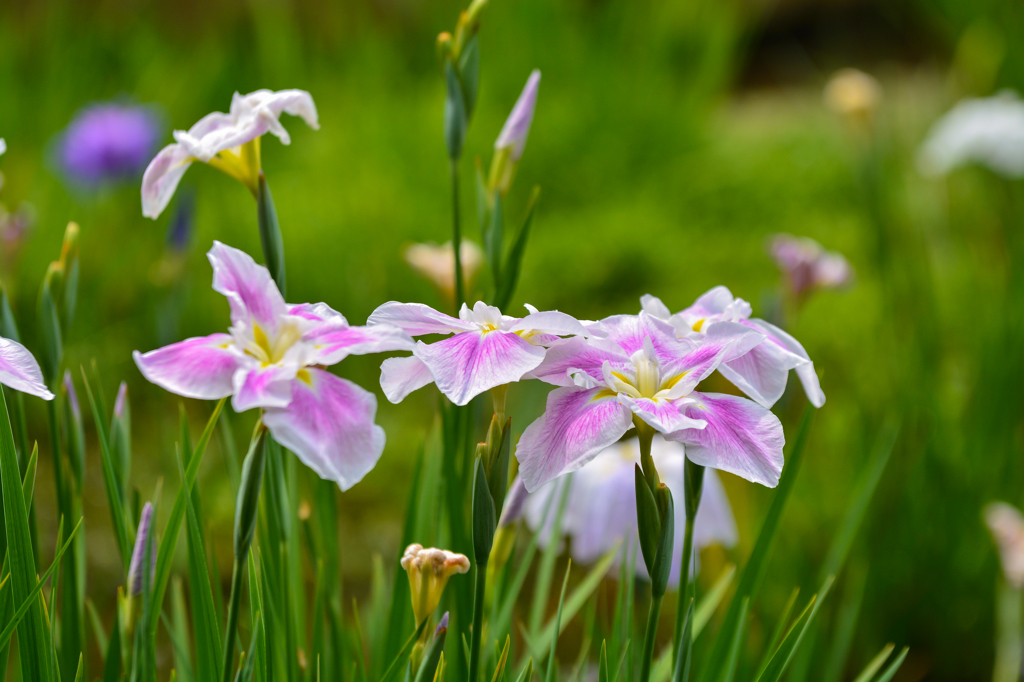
{"points": [[550, 676], [784, 655], [707, 606], [894, 666], [876, 664]]}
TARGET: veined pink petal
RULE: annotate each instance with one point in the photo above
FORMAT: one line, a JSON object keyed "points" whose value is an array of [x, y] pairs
{"points": [[265, 387], [712, 302], [329, 425], [201, 367], [741, 437], [162, 177], [334, 342], [20, 371], [629, 332], [576, 425], [254, 298], [467, 364], [664, 415], [761, 373], [551, 322], [417, 319], [653, 306], [401, 376], [579, 354], [722, 341], [796, 358]]}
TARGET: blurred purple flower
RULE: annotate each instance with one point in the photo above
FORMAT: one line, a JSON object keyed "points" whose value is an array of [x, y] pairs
{"points": [[122, 396], [517, 127], [180, 230], [69, 386], [807, 265], [108, 142], [139, 552]]}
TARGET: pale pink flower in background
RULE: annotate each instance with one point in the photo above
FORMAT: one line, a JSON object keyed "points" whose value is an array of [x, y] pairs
{"points": [[807, 265], [273, 359], [761, 373], [218, 138], [1007, 527], [600, 511], [485, 350], [641, 370], [436, 264]]}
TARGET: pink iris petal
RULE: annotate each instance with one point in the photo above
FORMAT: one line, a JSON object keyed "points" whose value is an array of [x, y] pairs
{"points": [[665, 416], [723, 341], [401, 376], [200, 367], [269, 386], [20, 371], [576, 425], [254, 298], [162, 177], [335, 342], [741, 437], [761, 373], [551, 322], [329, 425], [467, 364], [713, 302], [653, 306], [629, 332], [579, 354], [791, 355], [417, 319]]}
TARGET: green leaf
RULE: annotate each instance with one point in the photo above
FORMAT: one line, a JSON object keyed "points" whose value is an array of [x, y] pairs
{"points": [[455, 118], [494, 240], [876, 664], [845, 625], [169, 540], [270, 234], [110, 481], [21, 558], [663, 558], [682, 671], [49, 331], [784, 654], [737, 641], [432, 656], [542, 582], [484, 517], [469, 74], [550, 676], [894, 666], [112, 667], [780, 629], [706, 607], [204, 617], [648, 519], [514, 260], [396, 665], [602, 666], [754, 571]]}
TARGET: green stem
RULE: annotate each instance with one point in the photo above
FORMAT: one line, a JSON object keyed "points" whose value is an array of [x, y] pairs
{"points": [[460, 295], [685, 588], [478, 620], [232, 629], [649, 636], [645, 434]]}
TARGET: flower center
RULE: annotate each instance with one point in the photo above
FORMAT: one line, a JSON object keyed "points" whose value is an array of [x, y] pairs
{"points": [[271, 351]]}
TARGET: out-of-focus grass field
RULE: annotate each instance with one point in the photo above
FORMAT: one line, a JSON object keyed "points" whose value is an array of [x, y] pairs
{"points": [[670, 139]]}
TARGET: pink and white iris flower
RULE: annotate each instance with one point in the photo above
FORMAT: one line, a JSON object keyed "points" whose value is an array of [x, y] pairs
{"points": [[641, 371], [486, 349], [273, 358], [20, 371], [218, 138], [762, 373], [600, 511]]}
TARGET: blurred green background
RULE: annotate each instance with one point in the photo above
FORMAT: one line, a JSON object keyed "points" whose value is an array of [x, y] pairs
{"points": [[671, 138]]}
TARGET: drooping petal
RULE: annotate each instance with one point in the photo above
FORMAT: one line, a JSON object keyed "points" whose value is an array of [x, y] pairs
{"points": [[401, 376], [200, 367], [334, 339], [254, 298], [576, 425], [579, 354], [761, 373], [329, 425], [270, 105], [721, 342], [162, 177], [418, 319], [741, 437], [711, 302], [20, 371], [795, 357], [664, 415], [269, 386], [653, 306], [467, 364], [551, 322]]}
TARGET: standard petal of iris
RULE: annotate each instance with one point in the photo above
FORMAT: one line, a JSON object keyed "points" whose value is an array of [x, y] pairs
{"points": [[401, 376], [200, 367], [20, 371], [629, 332], [336, 341], [162, 177], [576, 425], [797, 358], [254, 298], [723, 341], [761, 373], [265, 387], [329, 425], [741, 437], [466, 365], [552, 322], [417, 319], [578, 354], [664, 415]]}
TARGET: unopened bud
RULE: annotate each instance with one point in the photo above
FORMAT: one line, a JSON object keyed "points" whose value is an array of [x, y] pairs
{"points": [[139, 552], [429, 570]]}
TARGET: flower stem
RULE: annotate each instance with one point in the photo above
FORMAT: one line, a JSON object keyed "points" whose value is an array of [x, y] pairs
{"points": [[232, 626], [645, 434], [685, 588], [460, 294], [649, 635], [478, 620]]}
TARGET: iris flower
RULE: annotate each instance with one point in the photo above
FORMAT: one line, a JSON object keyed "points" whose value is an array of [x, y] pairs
{"points": [[642, 372], [511, 142], [20, 371], [486, 349], [273, 358], [601, 508], [762, 373], [221, 140], [988, 131], [807, 265]]}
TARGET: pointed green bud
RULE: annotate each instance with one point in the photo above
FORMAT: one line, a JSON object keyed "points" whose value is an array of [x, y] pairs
{"points": [[249, 493], [648, 520], [484, 517]]}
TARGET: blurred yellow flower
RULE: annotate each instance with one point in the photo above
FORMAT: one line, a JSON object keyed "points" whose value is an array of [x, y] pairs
{"points": [[429, 570], [437, 264], [853, 94]]}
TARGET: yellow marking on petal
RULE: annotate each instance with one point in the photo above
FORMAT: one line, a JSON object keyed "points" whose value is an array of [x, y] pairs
{"points": [[621, 377], [261, 339], [674, 380], [488, 328], [698, 324], [305, 377], [604, 393]]}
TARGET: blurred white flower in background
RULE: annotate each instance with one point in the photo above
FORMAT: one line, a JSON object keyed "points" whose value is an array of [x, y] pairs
{"points": [[987, 131]]}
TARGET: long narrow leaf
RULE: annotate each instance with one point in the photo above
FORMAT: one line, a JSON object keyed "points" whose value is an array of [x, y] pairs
{"points": [[784, 655], [875, 664], [894, 666]]}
